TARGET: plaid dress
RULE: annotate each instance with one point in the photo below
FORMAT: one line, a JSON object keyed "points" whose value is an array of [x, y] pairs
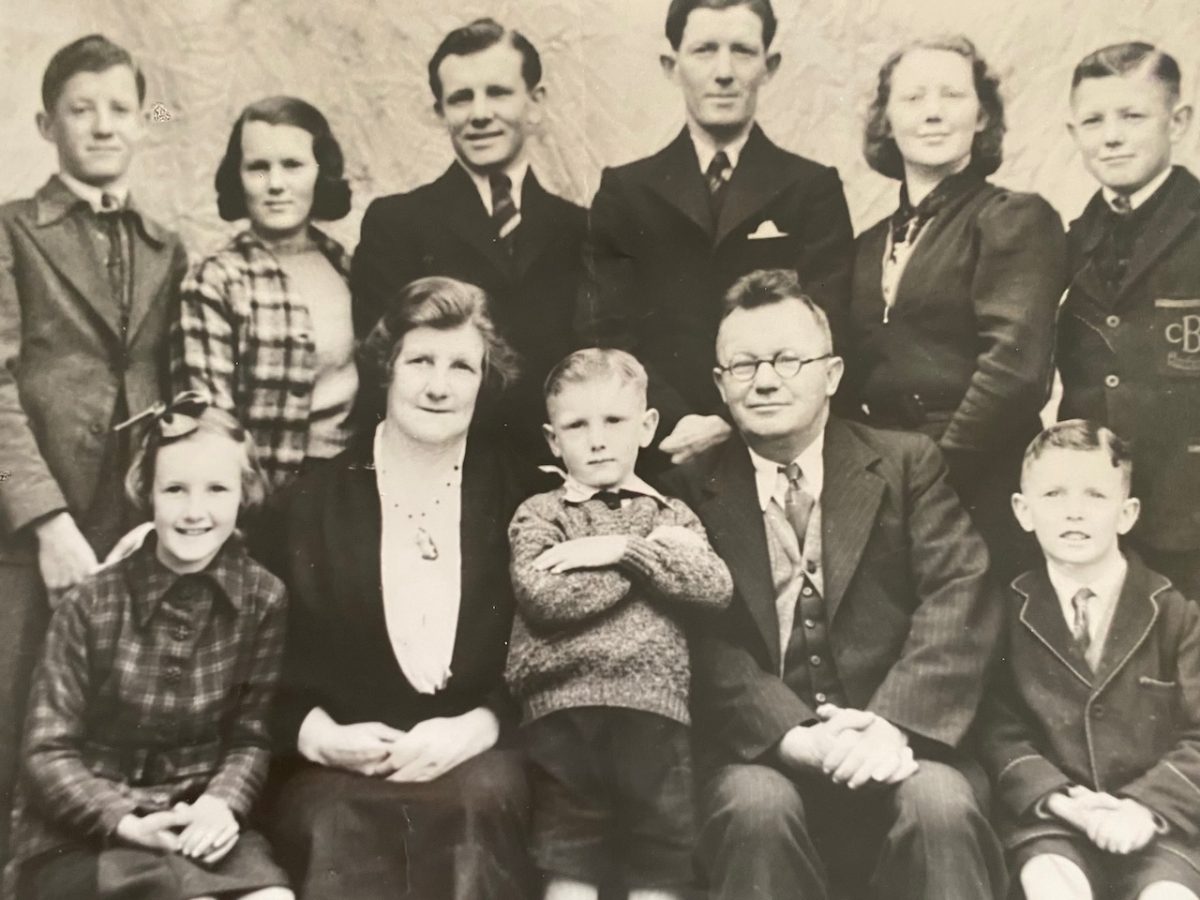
{"points": [[245, 336], [153, 688]]}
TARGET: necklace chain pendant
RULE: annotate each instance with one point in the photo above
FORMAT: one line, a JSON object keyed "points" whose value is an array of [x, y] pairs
{"points": [[425, 544]]}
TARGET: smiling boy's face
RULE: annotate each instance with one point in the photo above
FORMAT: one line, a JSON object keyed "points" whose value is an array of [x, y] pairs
{"points": [[1126, 127], [597, 427], [1077, 504]]}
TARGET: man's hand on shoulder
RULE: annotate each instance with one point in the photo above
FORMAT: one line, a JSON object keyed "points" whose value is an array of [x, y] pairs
{"points": [[65, 557], [692, 435]]}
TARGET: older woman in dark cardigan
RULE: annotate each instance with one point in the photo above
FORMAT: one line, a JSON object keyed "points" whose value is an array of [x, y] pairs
{"points": [[395, 778], [951, 321]]}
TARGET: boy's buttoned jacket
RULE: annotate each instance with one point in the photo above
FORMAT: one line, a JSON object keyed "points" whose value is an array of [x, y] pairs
{"points": [[1129, 354], [1131, 729]]}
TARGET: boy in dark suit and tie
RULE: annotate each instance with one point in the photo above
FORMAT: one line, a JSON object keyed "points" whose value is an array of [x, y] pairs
{"points": [[671, 232], [88, 289], [1092, 735], [487, 220], [1129, 329]]}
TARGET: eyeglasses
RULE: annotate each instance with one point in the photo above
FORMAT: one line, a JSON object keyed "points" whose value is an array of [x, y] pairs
{"points": [[786, 363]]}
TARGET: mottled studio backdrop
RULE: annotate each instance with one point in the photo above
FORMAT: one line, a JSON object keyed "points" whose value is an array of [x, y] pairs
{"points": [[363, 63]]}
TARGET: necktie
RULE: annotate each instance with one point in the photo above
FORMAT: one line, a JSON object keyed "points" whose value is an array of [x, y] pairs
{"points": [[505, 215], [1121, 205], [798, 503], [717, 175], [117, 263], [1080, 626], [612, 498]]}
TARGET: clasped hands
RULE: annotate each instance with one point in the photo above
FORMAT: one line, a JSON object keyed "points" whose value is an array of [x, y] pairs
{"points": [[205, 830], [426, 751], [852, 747], [1114, 824]]}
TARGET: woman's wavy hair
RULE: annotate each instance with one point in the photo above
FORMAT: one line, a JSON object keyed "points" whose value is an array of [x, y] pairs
{"points": [[434, 302], [331, 197], [879, 147]]}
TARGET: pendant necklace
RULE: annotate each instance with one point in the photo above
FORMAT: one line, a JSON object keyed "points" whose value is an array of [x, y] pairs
{"points": [[424, 541]]}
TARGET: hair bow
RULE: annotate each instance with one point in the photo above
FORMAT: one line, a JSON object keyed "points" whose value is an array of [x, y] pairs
{"points": [[175, 419]]}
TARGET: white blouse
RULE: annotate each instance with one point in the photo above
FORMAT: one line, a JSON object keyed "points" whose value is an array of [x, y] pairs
{"points": [[420, 556]]}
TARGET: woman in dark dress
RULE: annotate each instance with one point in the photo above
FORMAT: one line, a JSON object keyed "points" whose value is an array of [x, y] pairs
{"points": [[951, 323], [395, 779]]}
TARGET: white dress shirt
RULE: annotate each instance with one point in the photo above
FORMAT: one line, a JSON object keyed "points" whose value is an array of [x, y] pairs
{"points": [[1138, 197], [706, 148], [516, 172], [94, 195], [1107, 590]]}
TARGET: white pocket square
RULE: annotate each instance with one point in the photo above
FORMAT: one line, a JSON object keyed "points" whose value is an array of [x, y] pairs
{"points": [[767, 229]]}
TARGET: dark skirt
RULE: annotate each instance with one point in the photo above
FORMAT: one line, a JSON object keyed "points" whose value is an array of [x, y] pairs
{"points": [[133, 873], [460, 837]]}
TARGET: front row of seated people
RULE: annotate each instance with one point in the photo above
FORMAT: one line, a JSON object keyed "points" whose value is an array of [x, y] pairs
{"points": [[834, 594]]}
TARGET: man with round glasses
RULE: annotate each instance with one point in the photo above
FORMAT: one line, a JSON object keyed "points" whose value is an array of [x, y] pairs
{"points": [[831, 700]]}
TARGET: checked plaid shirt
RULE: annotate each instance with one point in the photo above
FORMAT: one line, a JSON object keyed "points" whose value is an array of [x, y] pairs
{"points": [[153, 688], [245, 337]]}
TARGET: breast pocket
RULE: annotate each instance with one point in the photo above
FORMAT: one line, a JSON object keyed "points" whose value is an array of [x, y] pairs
{"points": [[1177, 337]]}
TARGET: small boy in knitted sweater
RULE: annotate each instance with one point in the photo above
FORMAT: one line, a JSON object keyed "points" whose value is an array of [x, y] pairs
{"points": [[603, 568]]}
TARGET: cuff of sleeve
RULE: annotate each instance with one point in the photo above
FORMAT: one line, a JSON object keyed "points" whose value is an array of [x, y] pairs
{"points": [[1027, 781], [114, 813], [33, 506], [641, 555]]}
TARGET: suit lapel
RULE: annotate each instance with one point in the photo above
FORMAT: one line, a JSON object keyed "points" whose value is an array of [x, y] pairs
{"points": [[537, 228], [1178, 211], [676, 178], [731, 514], [1091, 226], [755, 182], [1042, 615], [1132, 621], [63, 238], [464, 214], [151, 260], [849, 501]]}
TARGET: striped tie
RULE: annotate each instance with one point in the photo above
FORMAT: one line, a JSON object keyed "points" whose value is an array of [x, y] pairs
{"points": [[505, 215], [717, 175], [798, 503], [1081, 627]]}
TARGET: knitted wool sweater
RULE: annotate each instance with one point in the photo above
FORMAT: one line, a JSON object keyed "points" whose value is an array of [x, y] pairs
{"points": [[608, 636]]}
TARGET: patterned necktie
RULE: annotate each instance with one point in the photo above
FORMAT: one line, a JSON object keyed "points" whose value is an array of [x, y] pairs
{"points": [[117, 262], [798, 503], [1080, 627], [717, 175], [505, 215]]}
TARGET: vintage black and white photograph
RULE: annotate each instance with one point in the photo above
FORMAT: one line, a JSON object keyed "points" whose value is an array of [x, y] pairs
{"points": [[600, 449]]}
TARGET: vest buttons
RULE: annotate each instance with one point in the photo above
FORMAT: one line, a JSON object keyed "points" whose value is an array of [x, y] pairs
{"points": [[807, 591], [1112, 321], [819, 697], [810, 624], [1111, 381], [815, 660]]}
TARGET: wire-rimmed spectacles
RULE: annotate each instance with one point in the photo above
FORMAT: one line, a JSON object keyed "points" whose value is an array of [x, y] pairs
{"points": [[786, 363]]}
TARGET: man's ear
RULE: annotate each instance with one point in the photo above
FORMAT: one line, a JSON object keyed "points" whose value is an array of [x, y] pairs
{"points": [[1020, 508], [1130, 510], [720, 383], [1181, 118], [537, 94], [773, 61], [835, 368], [45, 125], [670, 64]]}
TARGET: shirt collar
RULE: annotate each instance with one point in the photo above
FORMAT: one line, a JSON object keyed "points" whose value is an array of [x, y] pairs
{"points": [[772, 484], [706, 147], [1106, 586], [247, 241], [149, 580], [56, 199], [1138, 197], [94, 195], [515, 171], [577, 492]]}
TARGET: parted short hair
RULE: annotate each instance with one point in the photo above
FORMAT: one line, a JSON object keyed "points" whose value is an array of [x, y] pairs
{"points": [[92, 53], [1082, 435], [1130, 56], [679, 10], [987, 149], [331, 195], [764, 287], [477, 36], [433, 302], [139, 481], [594, 364]]}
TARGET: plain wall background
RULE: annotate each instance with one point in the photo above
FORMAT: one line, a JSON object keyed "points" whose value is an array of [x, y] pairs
{"points": [[362, 62]]}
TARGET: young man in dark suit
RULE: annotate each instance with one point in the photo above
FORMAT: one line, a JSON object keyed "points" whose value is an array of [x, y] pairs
{"points": [[487, 220], [671, 232], [830, 701], [1129, 329], [88, 291]]}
